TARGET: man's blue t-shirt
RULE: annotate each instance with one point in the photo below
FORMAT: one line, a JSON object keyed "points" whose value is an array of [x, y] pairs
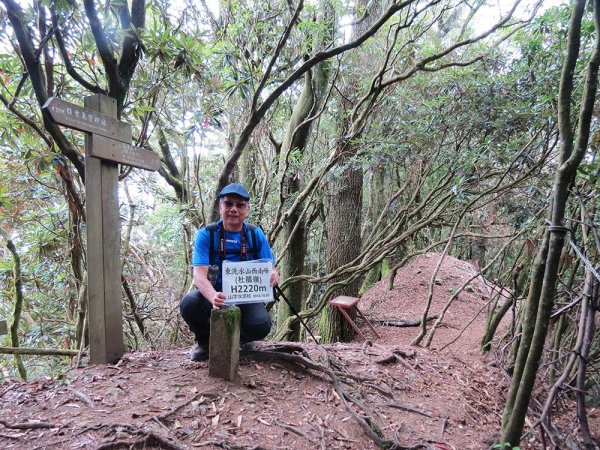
{"points": [[201, 254]]}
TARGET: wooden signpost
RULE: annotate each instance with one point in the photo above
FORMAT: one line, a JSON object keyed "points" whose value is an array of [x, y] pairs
{"points": [[107, 143]]}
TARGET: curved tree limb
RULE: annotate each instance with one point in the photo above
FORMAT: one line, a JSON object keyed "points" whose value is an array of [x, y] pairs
{"points": [[34, 69], [67, 60]]}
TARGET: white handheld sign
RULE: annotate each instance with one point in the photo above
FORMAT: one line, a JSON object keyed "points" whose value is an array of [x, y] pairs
{"points": [[247, 281]]}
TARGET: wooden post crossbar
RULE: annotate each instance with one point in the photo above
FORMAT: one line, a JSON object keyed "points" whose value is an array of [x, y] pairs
{"points": [[107, 143], [342, 303]]}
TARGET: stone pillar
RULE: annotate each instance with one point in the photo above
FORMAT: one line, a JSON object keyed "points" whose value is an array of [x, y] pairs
{"points": [[224, 347]]}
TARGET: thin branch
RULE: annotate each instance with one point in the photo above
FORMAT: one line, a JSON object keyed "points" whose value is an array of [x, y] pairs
{"points": [[282, 41], [27, 121], [67, 60], [257, 115]]}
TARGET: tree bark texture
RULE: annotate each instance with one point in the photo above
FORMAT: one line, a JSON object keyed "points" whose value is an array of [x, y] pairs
{"points": [[344, 216], [343, 245], [377, 202], [588, 309]]}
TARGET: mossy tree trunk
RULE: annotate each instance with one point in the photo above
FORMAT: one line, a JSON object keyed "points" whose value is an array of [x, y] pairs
{"points": [[344, 216], [293, 147], [18, 306]]}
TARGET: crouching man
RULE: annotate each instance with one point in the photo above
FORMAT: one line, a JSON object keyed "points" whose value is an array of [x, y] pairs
{"points": [[231, 239]]}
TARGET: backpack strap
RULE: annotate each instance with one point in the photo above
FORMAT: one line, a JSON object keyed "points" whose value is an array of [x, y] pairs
{"points": [[254, 243], [213, 246]]}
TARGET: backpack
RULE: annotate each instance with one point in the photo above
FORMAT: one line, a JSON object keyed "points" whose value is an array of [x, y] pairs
{"points": [[254, 244]]}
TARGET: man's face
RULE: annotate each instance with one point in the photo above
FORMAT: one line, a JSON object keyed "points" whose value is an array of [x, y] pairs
{"points": [[233, 210]]}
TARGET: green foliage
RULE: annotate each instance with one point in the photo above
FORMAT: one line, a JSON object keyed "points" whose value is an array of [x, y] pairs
{"points": [[164, 226]]}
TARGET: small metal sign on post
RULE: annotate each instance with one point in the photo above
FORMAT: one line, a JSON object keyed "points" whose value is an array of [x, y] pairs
{"points": [[106, 145]]}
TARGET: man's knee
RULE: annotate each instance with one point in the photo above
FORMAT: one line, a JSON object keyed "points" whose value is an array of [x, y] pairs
{"points": [[256, 327], [261, 329], [192, 305]]}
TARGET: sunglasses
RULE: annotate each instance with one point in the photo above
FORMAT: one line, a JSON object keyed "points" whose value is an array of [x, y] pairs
{"points": [[239, 205]]}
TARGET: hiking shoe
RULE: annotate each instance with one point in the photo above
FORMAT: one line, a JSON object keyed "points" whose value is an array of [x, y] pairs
{"points": [[199, 353], [248, 346]]}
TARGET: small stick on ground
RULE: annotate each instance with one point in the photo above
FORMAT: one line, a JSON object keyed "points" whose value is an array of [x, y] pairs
{"points": [[84, 398], [294, 430], [401, 323], [224, 445], [444, 424], [409, 409], [27, 425], [7, 436]]}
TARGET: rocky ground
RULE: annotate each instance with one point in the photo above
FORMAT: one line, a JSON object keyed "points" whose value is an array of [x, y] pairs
{"points": [[361, 395]]}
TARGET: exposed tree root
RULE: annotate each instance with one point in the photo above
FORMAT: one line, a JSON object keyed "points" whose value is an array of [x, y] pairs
{"points": [[365, 420], [165, 416], [290, 428], [409, 409], [148, 439]]}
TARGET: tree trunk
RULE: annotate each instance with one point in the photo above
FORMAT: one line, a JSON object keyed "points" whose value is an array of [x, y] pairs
{"points": [[541, 299], [344, 217], [18, 306], [478, 251], [81, 336], [493, 324], [589, 305], [377, 203], [295, 140], [343, 245], [248, 167]]}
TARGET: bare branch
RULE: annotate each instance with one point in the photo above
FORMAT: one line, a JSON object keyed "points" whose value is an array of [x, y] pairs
{"points": [[257, 115], [67, 60]]}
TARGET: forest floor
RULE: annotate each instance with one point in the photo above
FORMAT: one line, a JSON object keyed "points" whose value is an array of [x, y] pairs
{"points": [[445, 396]]}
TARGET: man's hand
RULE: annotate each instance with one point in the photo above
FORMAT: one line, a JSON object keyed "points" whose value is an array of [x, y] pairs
{"points": [[274, 280], [206, 289], [218, 300]]}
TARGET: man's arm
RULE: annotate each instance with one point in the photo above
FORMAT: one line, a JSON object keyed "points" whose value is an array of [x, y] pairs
{"points": [[200, 274]]}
